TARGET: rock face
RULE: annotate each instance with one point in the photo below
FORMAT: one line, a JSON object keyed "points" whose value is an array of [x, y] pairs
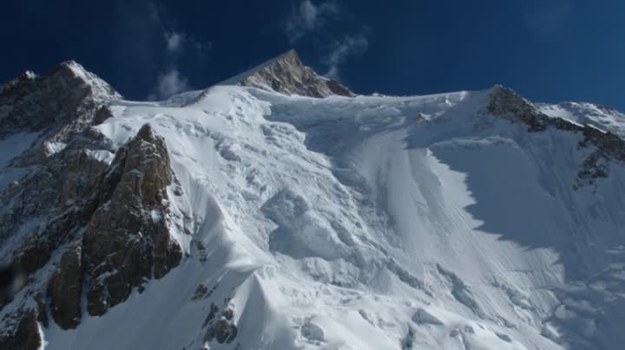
{"points": [[288, 75], [66, 96], [58, 189], [127, 240], [23, 334], [65, 289], [220, 325], [101, 213], [103, 113], [87, 221], [507, 104], [112, 231]]}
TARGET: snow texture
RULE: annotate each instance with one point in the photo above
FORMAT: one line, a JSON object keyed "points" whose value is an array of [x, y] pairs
{"points": [[370, 222]]}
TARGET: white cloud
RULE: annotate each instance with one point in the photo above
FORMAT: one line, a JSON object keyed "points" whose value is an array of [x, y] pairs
{"points": [[309, 13], [156, 35], [175, 42], [353, 45], [170, 83], [307, 17], [315, 21]]}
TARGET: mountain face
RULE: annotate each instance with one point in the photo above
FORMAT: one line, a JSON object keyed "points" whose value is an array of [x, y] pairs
{"points": [[287, 74], [279, 210]]}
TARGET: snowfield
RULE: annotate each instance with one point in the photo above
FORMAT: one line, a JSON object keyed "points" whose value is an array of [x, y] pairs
{"points": [[371, 223]]}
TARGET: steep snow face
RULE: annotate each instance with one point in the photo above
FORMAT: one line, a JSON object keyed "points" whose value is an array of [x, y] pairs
{"points": [[370, 223], [587, 113]]}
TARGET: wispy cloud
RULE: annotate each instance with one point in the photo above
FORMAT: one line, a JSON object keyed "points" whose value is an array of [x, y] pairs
{"points": [[318, 21], [350, 45], [175, 42], [549, 19], [171, 83], [150, 43], [307, 17]]}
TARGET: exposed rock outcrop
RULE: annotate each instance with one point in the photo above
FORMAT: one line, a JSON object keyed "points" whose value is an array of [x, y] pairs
{"points": [[68, 94], [103, 113], [127, 240], [507, 104], [56, 106], [107, 222], [287, 74], [65, 289], [21, 332], [58, 189], [220, 325]]}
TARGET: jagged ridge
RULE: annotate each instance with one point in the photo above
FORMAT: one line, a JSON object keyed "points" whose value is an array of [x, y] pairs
{"points": [[505, 103]]}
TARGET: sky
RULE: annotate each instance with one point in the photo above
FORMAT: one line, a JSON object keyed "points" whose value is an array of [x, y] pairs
{"points": [[547, 50]]}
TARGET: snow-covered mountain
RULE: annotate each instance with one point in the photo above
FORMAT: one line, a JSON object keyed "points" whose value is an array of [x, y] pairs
{"points": [[279, 210]]}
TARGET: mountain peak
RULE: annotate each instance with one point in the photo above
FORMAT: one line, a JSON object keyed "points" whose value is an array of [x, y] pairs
{"points": [[74, 73], [251, 207], [288, 75], [68, 93]]}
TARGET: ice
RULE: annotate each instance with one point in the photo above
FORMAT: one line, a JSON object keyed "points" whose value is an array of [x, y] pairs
{"points": [[371, 222]]}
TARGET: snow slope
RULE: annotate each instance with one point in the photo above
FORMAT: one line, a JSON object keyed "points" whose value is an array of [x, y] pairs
{"points": [[372, 223], [587, 113]]}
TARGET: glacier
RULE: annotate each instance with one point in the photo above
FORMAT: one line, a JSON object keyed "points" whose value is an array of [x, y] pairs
{"points": [[372, 222]]}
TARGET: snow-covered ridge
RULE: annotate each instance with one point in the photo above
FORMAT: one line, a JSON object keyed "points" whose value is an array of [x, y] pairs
{"points": [[587, 113], [451, 221]]}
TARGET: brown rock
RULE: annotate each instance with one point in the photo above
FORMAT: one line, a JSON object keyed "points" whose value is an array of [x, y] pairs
{"points": [[65, 289], [103, 113], [127, 240], [505, 103], [79, 177], [24, 336], [288, 75]]}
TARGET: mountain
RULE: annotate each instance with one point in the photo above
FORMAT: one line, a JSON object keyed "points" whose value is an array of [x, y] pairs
{"points": [[279, 210], [287, 74]]}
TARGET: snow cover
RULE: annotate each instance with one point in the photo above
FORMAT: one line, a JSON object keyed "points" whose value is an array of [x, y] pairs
{"points": [[372, 222], [600, 117]]}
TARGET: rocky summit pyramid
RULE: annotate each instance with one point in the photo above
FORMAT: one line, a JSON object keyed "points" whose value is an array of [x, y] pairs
{"points": [[279, 210], [287, 74]]}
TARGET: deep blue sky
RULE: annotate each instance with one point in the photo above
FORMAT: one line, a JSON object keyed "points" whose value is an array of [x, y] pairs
{"points": [[548, 50]]}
